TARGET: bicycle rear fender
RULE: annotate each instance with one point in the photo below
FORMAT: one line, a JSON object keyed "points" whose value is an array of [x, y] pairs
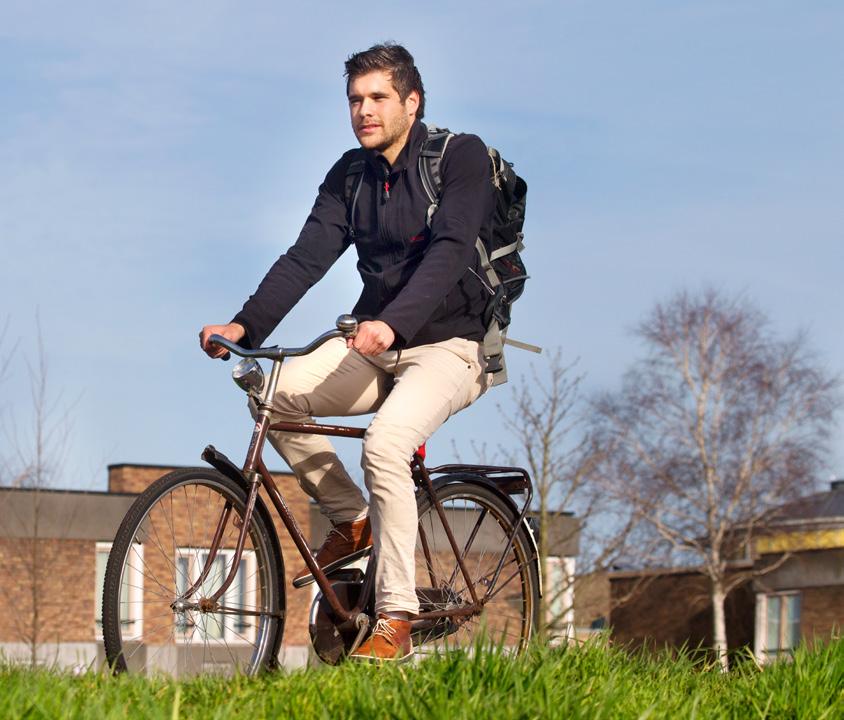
{"points": [[223, 465], [471, 479]]}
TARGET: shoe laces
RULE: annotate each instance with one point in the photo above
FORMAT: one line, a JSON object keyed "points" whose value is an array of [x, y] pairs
{"points": [[335, 531], [384, 629]]}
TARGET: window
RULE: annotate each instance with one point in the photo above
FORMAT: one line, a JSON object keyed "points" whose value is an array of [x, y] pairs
{"points": [[781, 624], [131, 595], [242, 593]]}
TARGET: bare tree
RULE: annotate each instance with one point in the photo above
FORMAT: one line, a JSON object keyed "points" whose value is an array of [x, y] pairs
{"points": [[544, 424], [32, 605], [715, 426], [541, 420]]}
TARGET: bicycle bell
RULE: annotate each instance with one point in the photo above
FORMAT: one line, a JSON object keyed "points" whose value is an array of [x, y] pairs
{"points": [[248, 375], [347, 324]]}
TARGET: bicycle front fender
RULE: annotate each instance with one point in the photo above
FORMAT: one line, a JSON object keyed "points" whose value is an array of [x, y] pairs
{"points": [[223, 465]]}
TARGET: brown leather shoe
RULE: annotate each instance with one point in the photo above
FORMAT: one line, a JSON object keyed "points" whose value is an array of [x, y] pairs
{"points": [[389, 642], [344, 544]]}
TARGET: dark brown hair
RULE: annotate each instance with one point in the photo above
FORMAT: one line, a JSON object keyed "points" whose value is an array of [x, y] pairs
{"points": [[393, 59]]}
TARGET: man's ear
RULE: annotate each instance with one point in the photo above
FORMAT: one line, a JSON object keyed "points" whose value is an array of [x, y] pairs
{"points": [[411, 102]]}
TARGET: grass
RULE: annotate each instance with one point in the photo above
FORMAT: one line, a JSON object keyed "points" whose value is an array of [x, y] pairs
{"points": [[587, 682]]}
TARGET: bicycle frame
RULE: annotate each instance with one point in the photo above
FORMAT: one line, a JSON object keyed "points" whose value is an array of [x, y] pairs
{"points": [[256, 475]]}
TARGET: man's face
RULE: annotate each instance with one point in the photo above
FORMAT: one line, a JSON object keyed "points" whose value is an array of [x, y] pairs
{"points": [[380, 120]]}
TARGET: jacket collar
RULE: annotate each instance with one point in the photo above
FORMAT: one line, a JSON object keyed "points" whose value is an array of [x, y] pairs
{"points": [[409, 154]]}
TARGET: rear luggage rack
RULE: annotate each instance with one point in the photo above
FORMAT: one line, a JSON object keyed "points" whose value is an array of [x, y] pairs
{"points": [[510, 480]]}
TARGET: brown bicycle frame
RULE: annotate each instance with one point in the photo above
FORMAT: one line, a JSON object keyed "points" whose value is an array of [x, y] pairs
{"points": [[257, 474]]}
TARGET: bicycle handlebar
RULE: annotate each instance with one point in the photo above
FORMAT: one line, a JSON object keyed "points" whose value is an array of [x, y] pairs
{"points": [[347, 327]]}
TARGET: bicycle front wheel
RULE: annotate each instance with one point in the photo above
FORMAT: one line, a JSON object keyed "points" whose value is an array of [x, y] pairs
{"points": [[481, 523], [151, 623]]}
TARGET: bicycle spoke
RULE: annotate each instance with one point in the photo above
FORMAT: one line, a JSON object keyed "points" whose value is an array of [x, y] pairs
{"points": [[481, 528], [175, 528]]}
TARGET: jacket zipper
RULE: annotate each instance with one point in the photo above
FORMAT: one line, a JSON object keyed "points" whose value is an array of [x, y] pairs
{"points": [[382, 211], [385, 195]]}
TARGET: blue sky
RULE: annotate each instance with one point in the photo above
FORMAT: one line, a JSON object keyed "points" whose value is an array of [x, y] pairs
{"points": [[155, 158]]}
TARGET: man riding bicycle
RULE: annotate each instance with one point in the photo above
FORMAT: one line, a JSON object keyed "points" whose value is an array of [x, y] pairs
{"points": [[417, 357]]}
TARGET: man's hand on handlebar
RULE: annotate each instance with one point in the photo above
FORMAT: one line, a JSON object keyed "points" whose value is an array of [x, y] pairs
{"points": [[232, 331], [373, 338]]}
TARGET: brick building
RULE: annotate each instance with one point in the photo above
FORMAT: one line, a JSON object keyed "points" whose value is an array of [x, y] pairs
{"points": [[54, 546], [801, 600], [671, 607]]}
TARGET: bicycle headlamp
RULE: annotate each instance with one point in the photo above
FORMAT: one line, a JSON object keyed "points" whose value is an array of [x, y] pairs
{"points": [[248, 375]]}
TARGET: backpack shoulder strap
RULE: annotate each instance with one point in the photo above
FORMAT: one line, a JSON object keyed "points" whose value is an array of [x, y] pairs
{"points": [[430, 162], [354, 179]]}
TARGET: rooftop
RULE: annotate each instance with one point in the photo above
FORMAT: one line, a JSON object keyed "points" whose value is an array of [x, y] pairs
{"points": [[829, 504]]}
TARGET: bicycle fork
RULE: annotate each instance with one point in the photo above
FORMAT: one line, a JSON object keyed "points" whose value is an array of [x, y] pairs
{"points": [[221, 463]]}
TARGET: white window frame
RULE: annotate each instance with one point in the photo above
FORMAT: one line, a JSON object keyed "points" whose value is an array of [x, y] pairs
{"points": [[135, 622], [764, 653], [231, 635]]}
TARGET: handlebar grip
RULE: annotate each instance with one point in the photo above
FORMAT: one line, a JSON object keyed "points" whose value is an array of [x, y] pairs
{"points": [[223, 343]]}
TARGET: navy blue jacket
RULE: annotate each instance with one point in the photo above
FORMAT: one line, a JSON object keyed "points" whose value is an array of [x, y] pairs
{"points": [[416, 280]]}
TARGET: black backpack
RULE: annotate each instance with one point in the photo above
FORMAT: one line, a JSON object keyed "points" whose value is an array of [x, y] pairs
{"points": [[503, 271]]}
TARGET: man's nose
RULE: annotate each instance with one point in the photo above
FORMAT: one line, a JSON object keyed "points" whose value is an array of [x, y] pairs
{"points": [[365, 107]]}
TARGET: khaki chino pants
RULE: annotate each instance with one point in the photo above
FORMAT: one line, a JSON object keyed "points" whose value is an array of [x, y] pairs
{"points": [[412, 393]]}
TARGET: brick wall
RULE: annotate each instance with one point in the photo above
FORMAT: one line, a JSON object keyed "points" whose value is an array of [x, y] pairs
{"points": [[63, 573], [674, 609], [821, 612], [134, 478], [591, 599], [298, 600]]}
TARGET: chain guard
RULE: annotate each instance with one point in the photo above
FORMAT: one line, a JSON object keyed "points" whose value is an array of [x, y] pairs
{"points": [[330, 643]]}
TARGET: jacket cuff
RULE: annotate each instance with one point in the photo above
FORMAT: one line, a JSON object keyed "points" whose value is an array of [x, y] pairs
{"points": [[403, 334], [247, 340]]}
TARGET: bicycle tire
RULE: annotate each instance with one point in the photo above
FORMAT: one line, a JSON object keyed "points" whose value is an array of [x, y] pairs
{"points": [[509, 619], [159, 550]]}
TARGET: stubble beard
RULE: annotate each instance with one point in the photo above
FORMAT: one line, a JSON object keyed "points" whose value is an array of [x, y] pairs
{"points": [[394, 133]]}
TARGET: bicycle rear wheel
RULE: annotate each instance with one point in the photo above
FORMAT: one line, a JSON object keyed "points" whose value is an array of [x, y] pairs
{"points": [[481, 522], [161, 550]]}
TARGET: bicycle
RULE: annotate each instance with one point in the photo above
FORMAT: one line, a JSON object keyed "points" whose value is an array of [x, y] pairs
{"points": [[197, 557]]}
